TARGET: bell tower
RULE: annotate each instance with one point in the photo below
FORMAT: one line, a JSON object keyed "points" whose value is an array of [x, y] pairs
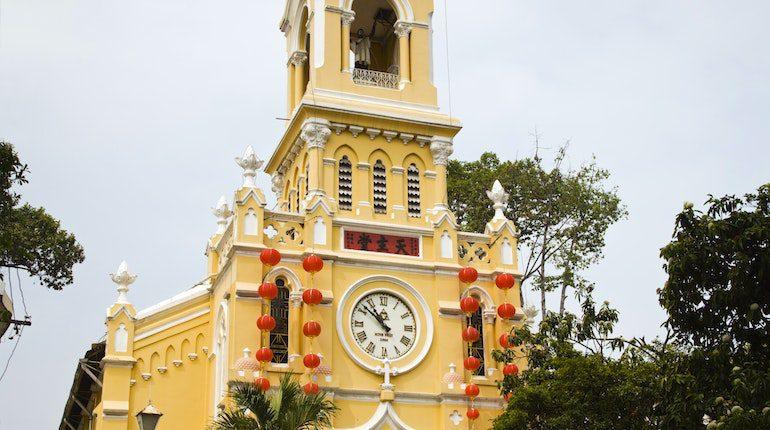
{"points": [[365, 136], [360, 53]]}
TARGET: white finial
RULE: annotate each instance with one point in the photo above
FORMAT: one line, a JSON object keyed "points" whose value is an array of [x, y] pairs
{"points": [[387, 372], [250, 163], [499, 199], [222, 212], [123, 277], [531, 312]]}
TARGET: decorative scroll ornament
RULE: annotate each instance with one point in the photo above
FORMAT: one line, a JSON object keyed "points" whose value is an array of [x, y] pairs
{"points": [[123, 278], [499, 199], [223, 213], [250, 163], [441, 148], [315, 134], [277, 181], [402, 29], [298, 58], [348, 17]]}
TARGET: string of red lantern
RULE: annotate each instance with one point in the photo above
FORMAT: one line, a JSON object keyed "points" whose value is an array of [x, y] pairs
{"points": [[470, 305], [312, 329], [266, 322]]}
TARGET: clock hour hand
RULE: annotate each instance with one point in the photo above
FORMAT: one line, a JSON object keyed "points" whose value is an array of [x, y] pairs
{"points": [[378, 318]]}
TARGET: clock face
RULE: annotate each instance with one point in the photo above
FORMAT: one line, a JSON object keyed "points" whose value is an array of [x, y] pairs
{"points": [[383, 325]]}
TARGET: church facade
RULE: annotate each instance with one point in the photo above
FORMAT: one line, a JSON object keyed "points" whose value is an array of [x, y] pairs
{"points": [[360, 177]]}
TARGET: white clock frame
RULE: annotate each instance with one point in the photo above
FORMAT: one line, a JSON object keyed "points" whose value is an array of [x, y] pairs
{"points": [[421, 305]]}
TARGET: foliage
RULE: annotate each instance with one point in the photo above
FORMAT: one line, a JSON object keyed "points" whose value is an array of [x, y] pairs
{"points": [[30, 238], [289, 408], [718, 301], [573, 381], [562, 215]]}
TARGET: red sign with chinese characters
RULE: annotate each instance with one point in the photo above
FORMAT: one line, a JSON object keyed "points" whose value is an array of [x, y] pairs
{"points": [[384, 243]]}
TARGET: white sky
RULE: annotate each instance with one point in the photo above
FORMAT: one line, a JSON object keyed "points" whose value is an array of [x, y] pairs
{"points": [[130, 113]]}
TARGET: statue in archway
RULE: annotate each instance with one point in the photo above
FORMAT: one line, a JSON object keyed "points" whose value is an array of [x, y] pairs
{"points": [[362, 48]]}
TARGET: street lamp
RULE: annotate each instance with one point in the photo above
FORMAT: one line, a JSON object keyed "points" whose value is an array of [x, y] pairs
{"points": [[148, 418]]}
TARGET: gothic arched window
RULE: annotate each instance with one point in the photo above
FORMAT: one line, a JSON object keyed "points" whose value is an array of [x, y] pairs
{"points": [[413, 191], [380, 188], [345, 187], [279, 309], [476, 349]]}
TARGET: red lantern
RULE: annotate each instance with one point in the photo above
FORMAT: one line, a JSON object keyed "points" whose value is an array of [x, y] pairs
{"points": [[311, 388], [270, 257], [510, 370], [472, 363], [312, 296], [268, 291], [470, 334], [312, 263], [263, 355], [472, 390], [505, 341], [266, 323], [473, 414], [311, 361], [469, 305], [311, 329], [468, 275], [505, 281], [263, 384], [506, 311]]}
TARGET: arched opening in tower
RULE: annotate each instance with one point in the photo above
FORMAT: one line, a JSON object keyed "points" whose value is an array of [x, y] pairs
{"points": [[373, 42]]}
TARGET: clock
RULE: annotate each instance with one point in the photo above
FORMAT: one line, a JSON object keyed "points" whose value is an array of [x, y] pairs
{"points": [[383, 325], [381, 318]]}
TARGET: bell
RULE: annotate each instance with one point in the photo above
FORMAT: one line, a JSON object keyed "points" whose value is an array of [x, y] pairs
{"points": [[148, 418]]}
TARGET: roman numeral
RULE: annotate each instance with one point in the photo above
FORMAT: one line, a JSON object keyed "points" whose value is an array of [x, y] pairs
{"points": [[397, 351], [370, 348], [361, 336], [384, 352], [384, 300], [406, 341], [370, 302], [409, 328], [406, 315], [359, 324]]}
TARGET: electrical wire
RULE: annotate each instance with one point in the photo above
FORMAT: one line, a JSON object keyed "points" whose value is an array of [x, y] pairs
{"points": [[13, 351], [23, 300], [448, 72]]}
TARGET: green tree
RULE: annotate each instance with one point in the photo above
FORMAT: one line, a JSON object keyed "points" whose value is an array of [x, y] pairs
{"points": [[562, 215], [718, 302], [30, 238], [578, 376], [289, 408]]}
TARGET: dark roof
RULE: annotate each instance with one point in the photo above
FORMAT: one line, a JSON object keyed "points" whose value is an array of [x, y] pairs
{"points": [[82, 386]]}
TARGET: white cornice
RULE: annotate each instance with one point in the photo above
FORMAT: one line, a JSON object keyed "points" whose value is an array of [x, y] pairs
{"points": [[182, 319], [183, 298]]}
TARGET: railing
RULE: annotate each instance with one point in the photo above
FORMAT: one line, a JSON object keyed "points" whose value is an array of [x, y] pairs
{"points": [[376, 79], [473, 249], [284, 230]]}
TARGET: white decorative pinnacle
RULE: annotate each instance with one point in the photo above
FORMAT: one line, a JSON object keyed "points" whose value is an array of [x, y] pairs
{"points": [[250, 163], [222, 212], [499, 199], [123, 278], [387, 372]]}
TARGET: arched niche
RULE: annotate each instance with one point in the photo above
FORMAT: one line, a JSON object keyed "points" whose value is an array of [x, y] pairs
{"points": [[373, 40]]}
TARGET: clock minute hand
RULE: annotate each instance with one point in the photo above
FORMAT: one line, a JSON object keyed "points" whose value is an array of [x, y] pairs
{"points": [[378, 318]]}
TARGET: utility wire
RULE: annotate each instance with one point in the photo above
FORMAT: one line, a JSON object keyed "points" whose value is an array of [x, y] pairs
{"points": [[21, 291], [448, 72], [18, 335]]}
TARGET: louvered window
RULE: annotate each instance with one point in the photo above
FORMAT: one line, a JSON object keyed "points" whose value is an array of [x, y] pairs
{"points": [[380, 188], [279, 309], [345, 179], [413, 190], [476, 349]]}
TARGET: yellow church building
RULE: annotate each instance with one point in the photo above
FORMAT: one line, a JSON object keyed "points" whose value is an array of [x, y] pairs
{"points": [[360, 176]]}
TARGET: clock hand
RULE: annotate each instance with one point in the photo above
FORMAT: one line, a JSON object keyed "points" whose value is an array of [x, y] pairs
{"points": [[378, 318]]}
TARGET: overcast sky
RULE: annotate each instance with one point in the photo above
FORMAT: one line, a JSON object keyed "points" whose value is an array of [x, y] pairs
{"points": [[129, 114]]}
